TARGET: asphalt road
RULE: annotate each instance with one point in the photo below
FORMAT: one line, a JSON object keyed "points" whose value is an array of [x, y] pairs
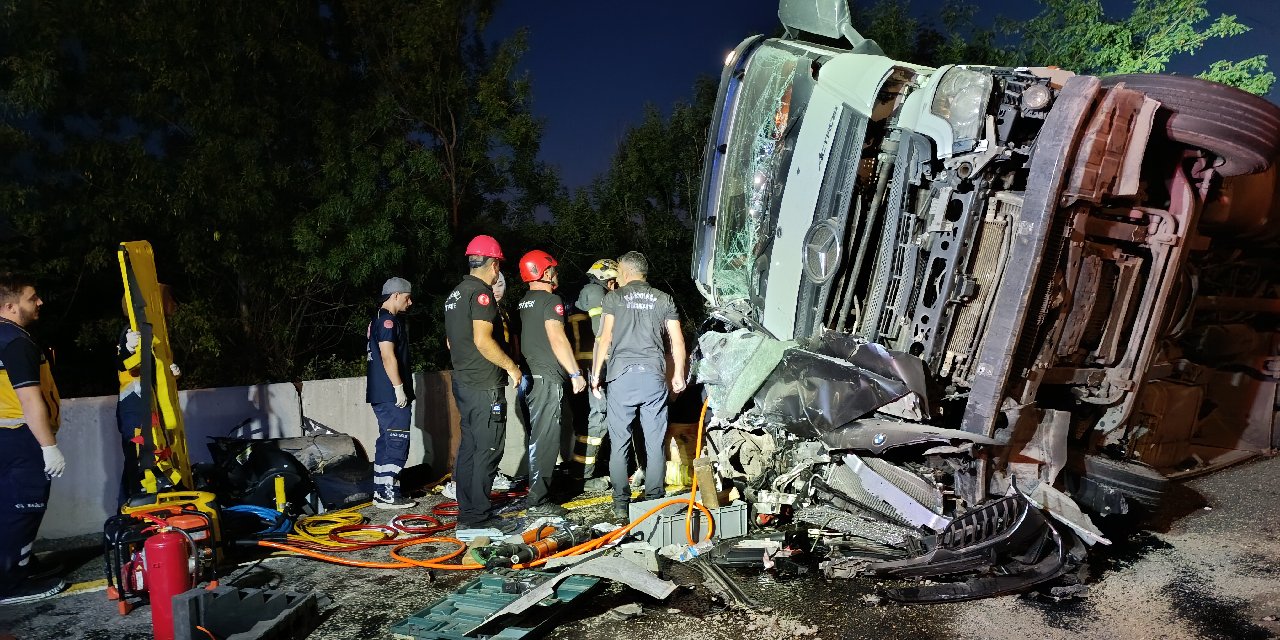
{"points": [[1209, 569]]}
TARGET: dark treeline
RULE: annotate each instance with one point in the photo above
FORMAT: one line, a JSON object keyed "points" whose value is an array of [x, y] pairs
{"points": [[283, 158]]}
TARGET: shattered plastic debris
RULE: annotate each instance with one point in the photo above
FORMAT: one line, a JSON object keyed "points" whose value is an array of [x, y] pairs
{"points": [[811, 394], [734, 365]]}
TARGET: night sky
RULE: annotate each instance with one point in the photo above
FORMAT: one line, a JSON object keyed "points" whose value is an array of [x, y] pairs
{"points": [[594, 65]]}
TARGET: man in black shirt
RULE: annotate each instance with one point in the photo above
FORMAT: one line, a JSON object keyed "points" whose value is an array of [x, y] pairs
{"points": [[546, 349], [481, 368], [635, 317], [389, 390]]}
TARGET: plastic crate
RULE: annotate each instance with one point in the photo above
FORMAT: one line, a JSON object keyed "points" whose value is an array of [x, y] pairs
{"points": [[667, 526]]}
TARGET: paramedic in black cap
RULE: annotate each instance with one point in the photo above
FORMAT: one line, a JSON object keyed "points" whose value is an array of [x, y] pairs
{"points": [[389, 389]]}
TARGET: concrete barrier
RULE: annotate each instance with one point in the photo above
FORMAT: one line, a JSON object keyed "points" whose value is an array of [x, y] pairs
{"points": [[340, 405], [86, 494]]}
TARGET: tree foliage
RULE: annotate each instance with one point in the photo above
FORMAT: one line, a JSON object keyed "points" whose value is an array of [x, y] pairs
{"points": [[282, 158], [1078, 35]]}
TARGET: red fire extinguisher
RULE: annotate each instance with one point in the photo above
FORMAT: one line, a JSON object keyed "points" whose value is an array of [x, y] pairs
{"points": [[170, 570]]}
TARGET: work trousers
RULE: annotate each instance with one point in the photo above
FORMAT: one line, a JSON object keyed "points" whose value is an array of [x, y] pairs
{"points": [[392, 449], [24, 496], [483, 418], [587, 447], [515, 448], [643, 389], [545, 401], [132, 416]]}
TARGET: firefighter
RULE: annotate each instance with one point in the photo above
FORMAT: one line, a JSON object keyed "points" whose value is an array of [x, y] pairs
{"points": [[481, 369], [29, 454], [602, 278], [635, 317], [550, 357], [389, 390], [133, 413]]}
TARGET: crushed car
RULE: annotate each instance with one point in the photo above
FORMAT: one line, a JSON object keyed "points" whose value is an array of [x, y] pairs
{"points": [[958, 313]]}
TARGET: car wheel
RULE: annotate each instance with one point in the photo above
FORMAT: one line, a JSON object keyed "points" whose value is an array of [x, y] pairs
{"points": [[1241, 129]]}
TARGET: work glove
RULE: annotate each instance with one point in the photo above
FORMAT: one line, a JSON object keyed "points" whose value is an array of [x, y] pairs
{"points": [[131, 341], [54, 463], [402, 399], [176, 371]]}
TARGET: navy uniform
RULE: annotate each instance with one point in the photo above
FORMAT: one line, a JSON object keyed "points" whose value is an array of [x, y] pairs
{"points": [[479, 390], [545, 398], [24, 486], [636, 378], [392, 449], [133, 418], [591, 300]]}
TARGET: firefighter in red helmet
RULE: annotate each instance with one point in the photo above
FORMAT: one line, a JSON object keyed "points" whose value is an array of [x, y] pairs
{"points": [[551, 362], [481, 367]]}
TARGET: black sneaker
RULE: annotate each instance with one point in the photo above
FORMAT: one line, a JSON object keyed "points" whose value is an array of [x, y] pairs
{"points": [[38, 570], [505, 526], [391, 500], [597, 484], [33, 590], [547, 510]]}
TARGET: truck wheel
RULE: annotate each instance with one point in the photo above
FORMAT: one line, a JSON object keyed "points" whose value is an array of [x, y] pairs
{"points": [[1241, 129], [1136, 481]]}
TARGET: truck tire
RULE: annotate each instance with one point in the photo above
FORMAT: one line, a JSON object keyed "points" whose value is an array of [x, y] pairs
{"points": [[1137, 482], [1241, 129]]}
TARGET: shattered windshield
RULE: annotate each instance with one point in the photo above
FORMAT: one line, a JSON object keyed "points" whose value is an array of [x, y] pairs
{"points": [[751, 182]]}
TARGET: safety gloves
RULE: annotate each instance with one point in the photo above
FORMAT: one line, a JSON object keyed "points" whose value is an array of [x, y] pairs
{"points": [[131, 341], [402, 400], [54, 463]]}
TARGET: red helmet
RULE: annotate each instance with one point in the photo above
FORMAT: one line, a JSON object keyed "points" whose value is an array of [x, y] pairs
{"points": [[484, 246], [534, 265]]}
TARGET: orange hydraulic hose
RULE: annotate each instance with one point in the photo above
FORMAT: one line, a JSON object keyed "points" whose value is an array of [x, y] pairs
{"points": [[331, 558], [693, 488], [618, 533], [438, 561]]}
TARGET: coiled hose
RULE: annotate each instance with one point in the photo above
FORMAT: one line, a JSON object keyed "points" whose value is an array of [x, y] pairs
{"points": [[321, 536]]}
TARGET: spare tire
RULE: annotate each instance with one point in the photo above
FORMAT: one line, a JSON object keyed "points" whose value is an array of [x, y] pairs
{"points": [[1241, 129]]}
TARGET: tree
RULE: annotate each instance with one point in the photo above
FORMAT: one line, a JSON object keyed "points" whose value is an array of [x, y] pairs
{"points": [[282, 158], [1078, 35]]}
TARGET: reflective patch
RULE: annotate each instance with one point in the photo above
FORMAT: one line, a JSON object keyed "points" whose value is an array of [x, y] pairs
{"points": [[592, 440], [584, 459]]}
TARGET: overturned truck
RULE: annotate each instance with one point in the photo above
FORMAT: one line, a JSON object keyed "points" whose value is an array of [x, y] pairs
{"points": [[955, 311]]}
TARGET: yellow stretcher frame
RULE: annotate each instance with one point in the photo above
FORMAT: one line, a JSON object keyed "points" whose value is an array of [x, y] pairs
{"points": [[145, 306]]}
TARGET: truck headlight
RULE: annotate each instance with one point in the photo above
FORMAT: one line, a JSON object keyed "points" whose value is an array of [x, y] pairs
{"points": [[961, 100]]}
